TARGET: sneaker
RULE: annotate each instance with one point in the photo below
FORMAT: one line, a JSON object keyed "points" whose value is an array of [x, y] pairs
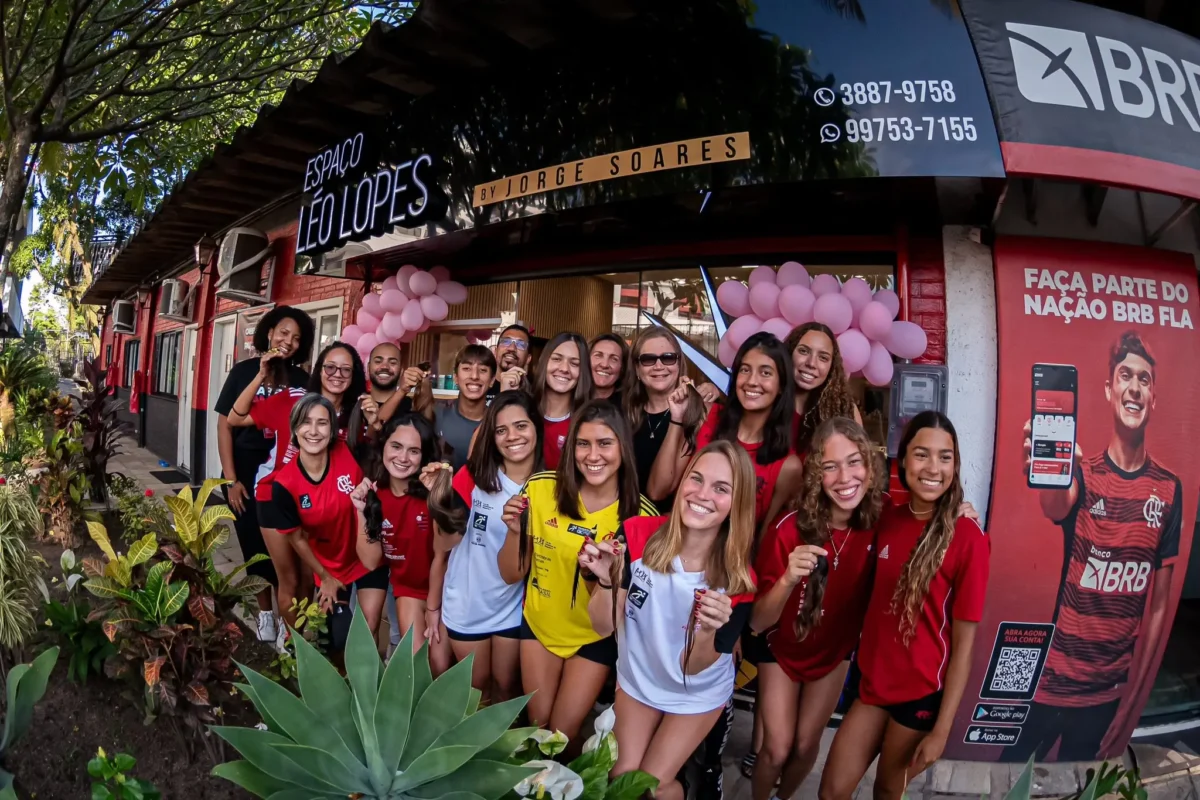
{"points": [[268, 628], [711, 785], [281, 639]]}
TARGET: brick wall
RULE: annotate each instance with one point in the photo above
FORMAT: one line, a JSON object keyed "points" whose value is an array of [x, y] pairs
{"points": [[927, 295]]}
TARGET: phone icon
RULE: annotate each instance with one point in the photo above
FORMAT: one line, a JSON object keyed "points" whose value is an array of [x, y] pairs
{"points": [[1053, 424]]}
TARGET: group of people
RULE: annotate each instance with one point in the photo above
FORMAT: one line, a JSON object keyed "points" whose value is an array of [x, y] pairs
{"points": [[599, 513]]}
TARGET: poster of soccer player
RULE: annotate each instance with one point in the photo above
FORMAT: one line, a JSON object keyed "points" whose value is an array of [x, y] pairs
{"points": [[1094, 496]]}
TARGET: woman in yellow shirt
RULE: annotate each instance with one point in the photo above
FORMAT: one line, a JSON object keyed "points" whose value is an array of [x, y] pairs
{"points": [[594, 488]]}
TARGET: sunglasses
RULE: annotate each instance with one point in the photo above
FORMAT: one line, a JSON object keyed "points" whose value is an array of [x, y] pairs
{"points": [[667, 359], [520, 344], [334, 369]]}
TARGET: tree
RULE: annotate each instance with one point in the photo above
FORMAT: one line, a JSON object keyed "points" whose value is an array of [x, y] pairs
{"points": [[106, 72]]}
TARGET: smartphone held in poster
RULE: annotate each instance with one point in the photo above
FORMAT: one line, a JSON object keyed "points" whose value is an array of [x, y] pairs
{"points": [[1094, 497]]}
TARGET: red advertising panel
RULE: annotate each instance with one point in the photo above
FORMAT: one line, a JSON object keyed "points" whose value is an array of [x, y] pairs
{"points": [[1093, 501]]}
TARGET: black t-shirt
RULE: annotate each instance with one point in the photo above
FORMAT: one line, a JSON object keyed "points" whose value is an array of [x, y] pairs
{"points": [[647, 441], [241, 376]]}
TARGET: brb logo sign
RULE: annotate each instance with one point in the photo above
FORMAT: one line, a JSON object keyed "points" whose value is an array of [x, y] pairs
{"points": [[1061, 67]]}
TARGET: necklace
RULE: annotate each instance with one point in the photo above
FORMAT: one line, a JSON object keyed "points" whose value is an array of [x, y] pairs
{"points": [[837, 551], [918, 514], [654, 427]]}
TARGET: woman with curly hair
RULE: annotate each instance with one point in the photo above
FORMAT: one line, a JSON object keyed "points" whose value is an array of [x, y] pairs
{"points": [[931, 573], [815, 571], [821, 387]]}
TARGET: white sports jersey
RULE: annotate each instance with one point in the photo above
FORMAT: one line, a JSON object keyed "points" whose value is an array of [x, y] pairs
{"points": [[651, 642], [475, 598]]}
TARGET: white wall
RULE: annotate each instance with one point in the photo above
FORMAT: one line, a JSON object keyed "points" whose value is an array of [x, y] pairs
{"points": [[971, 358]]}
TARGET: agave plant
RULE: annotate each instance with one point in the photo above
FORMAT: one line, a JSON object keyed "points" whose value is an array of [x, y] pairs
{"points": [[26, 685], [391, 732]]}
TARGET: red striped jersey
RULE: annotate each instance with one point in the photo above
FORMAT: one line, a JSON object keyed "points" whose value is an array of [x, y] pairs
{"points": [[1123, 527]]}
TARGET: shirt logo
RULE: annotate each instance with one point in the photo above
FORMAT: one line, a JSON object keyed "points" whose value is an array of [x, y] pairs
{"points": [[579, 530], [1054, 66], [884, 552], [479, 522], [552, 522], [637, 596], [344, 485], [1152, 511], [1097, 509], [387, 525], [562, 440], [305, 501], [1115, 577]]}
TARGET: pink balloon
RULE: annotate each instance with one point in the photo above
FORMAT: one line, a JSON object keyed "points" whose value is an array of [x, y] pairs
{"points": [[367, 343], [452, 292], [440, 273], [726, 352], [434, 308], [764, 300], [367, 321], [858, 292], [778, 326], [796, 303], [761, 275], [409, 336], [890, 301], [741, 328], [351, 334], [855, 349], [392, 325], [878, 369], [472, 338], [402, 277], [906, 340], [422, 283], [793, 273], [875, 321], [370, 302], [424, 325], [389, 283], [833, 310], [734, 298], [412, 316], [825, 284], [393, 300]]}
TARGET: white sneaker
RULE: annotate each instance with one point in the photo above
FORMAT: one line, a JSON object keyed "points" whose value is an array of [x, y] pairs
{"points": [[281, 639], [268, 628]]}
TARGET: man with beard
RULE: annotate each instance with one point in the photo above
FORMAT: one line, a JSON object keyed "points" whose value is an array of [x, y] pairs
{"points": [[512, 360], [387, 396]]}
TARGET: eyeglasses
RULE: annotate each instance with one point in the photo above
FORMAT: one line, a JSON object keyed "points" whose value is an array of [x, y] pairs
{"points": [[334, 369], [520, 344], [667, 359]]}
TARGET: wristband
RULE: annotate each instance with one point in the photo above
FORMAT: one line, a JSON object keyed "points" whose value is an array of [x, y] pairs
{"points": [[241, 413], [603, 585], [673, 422], [434, 610]]}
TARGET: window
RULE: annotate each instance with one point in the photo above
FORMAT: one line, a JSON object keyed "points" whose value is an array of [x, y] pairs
{"points": [[108, 356], [133, 351], [166, 363]]}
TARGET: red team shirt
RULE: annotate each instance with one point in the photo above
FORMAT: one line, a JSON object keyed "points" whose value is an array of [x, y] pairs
{"points": [[554, 438], [1124, 526], [321, 506], [767, 475], [273, 415], [407, 543], [847, 590], [891, 672]]}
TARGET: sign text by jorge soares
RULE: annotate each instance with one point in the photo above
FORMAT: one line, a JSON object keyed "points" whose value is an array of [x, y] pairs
{"points": [[639, 161]]}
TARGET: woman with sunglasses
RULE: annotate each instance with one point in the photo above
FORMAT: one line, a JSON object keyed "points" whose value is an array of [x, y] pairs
{"points": [[338, 378], [562, 383]]}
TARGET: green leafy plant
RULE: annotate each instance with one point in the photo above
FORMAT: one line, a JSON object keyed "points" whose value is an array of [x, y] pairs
{"points": [[25, 687], [1110, 779], [111, 779], [102, 430], [140, 512], [82, 637], [22, 369], [63, 485], [312, 624], [21, 586], [18, 509]]}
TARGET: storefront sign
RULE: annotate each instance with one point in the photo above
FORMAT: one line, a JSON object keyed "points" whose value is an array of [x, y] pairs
{"points": [[353, 194], [1093, 499], [1087, 93], [641, 160]]}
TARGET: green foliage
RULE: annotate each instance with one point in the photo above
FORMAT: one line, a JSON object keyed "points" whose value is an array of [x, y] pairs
{"points": [[102, 431], [386, 732], [63, 484], [111, 779], [139, 513], [25, 686], [19, 511], [312, 624], [1111, 779], [22, 369], [21, 585], [82, 637]]}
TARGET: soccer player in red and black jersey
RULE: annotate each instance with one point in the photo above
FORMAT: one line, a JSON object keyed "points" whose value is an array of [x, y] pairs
{"points": [[1121, 520]]}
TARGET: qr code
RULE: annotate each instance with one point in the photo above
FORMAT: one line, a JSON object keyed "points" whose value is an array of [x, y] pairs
{"points": [[1015, 669]]}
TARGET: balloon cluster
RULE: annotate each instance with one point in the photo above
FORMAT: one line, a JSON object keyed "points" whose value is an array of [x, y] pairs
{"points": [[864, 322], [405, 305]]}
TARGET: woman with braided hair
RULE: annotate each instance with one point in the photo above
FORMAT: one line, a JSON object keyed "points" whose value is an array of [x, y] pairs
{"points": [[931, 573]]}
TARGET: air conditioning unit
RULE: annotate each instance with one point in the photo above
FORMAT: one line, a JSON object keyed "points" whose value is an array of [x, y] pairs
{"points": [[177, 301], [333, 263], [239, 267], [124, 316]]}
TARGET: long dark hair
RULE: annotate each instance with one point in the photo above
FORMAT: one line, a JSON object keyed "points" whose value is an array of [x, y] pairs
{"points": [[569, 480], [358, 380], [634, 394], [813, 508], [831, 398], [583, 386], [926, 558], [376, 471], [486, 460], [777, 430], [299, 356]]}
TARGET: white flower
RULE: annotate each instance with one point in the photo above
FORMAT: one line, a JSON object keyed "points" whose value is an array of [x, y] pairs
{"points": [[550, 743], [553, 779], [67, 560], [603, 735]]}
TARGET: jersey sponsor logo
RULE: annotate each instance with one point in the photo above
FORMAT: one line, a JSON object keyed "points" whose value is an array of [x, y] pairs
{"points": [[637, 595], [344, 484], [579, 530], [305, 501], [562, 440], [552, 522], [1097, 509], [642, 574], [387, 525], [1153, 511], [884, 552], [1115, 577], [479, 522]]}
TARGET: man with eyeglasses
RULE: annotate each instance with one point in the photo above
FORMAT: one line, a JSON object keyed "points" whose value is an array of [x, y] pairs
{"points": [[512, 360]]}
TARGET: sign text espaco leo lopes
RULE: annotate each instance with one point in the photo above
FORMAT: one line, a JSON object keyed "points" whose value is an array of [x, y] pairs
{"points": [[639, 161]]}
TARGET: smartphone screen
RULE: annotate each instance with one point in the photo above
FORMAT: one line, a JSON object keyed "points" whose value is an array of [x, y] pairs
{"points": [[1054, 416]]}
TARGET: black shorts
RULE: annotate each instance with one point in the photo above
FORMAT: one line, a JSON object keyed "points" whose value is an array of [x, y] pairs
{"points": [[919, 715], [602, 652], [755, 648], [507, 633], [340, 619]]}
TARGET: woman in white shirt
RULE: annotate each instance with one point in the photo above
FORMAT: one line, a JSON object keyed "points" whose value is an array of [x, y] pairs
{"points": [[684, 596]]}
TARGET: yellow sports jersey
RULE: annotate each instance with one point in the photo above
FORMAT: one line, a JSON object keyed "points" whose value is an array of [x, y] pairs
{"points": [[560, 627]]}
